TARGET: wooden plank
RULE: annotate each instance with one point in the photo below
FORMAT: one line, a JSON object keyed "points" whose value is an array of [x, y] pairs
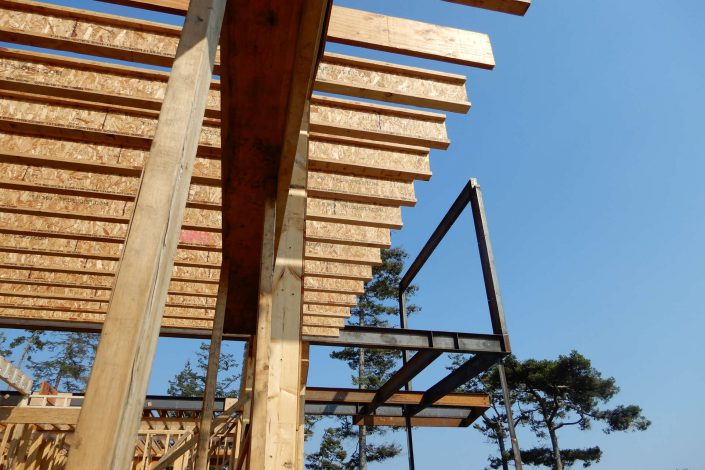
{"points": [[382, 81], [353, 213], [360, 160], [338, 270], [320, 331], [315, 320], [327, 298], [341, 286], [326, 311], [346, 234], [206, 423], [378, 122], [386, 33], [342, 253], [362, 190], [285, 350], [37, 415], [122, 364], [361, 396], [415, 38], [514, 7], [139, 88], [261, 114]]}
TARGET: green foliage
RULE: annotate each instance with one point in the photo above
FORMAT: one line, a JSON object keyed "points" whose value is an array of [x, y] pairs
{"points": [[543, 456], [67, 366], [372, 367], [549, 395], [31, 343], [331, 455], [4, 352], [191, 383]]}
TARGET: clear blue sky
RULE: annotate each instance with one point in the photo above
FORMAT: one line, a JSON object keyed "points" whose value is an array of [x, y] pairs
{"points": [[588, 141]]}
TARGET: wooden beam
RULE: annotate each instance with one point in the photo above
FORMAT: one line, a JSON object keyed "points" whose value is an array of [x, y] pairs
{"points": [[280, 423], [378, 122], [342, 253], [338, 270], [339, 286], [415, 38], [514, 7], [361, 190], [345, 234], [386, 33], [139, 88], [261, 116], [354, 213], [205, 426], [327, 298], [383, 81], [122, 365]]}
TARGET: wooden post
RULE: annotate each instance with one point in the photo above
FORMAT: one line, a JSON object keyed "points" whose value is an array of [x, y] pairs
{"points": [[109, 419], [204, 430], [277, 377], [301, 430]]}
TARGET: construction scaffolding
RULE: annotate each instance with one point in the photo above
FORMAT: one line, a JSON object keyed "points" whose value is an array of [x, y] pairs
{"points": [[224, 199]]}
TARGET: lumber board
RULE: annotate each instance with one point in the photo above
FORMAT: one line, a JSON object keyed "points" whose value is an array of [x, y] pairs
{"points": [[320, 331], [326, 310], [331, 322], [353, 213], [391, 34], [345, 234], [383, 81], [386, 33], [140, 88], [331, 299], [378, 122], [261, 115], [338, 270], [122, 364], [361, 396], [341, 286], [342, 253], [359, 160], [513, 7], [362, 190], [74, 317]]}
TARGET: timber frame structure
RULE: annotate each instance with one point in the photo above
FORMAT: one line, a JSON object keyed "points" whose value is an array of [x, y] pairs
{"points": [[243, 194]]}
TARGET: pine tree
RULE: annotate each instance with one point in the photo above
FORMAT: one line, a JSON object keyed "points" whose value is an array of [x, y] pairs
{"points": [[31, 343], [69, 363], [372, 367], [551, 395], [191, 383]]}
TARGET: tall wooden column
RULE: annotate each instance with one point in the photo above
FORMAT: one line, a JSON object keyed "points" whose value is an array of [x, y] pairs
{"points": [[109, 419], [204, 429], [275, 417]]}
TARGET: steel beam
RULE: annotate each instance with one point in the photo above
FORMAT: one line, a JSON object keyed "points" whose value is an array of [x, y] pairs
{"points": [[408, 371], [460, 376]]}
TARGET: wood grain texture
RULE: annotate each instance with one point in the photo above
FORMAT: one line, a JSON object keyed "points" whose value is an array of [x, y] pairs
{"points": [[514, 7], [118, 383]]}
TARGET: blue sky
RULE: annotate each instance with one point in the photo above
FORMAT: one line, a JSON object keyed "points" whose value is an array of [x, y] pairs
{"points": [[588, 141]]}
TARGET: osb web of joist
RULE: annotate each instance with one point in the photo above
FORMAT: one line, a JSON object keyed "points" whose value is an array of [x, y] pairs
{"points": [[74, 136]]}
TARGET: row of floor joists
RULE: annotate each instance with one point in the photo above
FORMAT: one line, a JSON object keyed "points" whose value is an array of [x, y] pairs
{"points": [[75, 135]]}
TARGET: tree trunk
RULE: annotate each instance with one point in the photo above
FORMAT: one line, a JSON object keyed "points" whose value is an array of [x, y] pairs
{"points": [[362, 430], [502, 448], [557, 461]]}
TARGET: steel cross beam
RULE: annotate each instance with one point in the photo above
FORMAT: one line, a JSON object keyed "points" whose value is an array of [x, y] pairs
{"points": [[408, 371]]}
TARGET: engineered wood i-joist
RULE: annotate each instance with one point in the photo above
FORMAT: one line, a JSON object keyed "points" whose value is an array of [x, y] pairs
{"points": [[514, 7], [386, 33], [338, 270], [138, 88], [120, 374]]}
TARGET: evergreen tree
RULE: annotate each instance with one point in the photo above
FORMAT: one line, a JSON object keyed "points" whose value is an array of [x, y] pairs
{"points": [[372, 367], [493, 423], [32, 343], [4, 352], [191, 383], [551, 395], [68, 365]]}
